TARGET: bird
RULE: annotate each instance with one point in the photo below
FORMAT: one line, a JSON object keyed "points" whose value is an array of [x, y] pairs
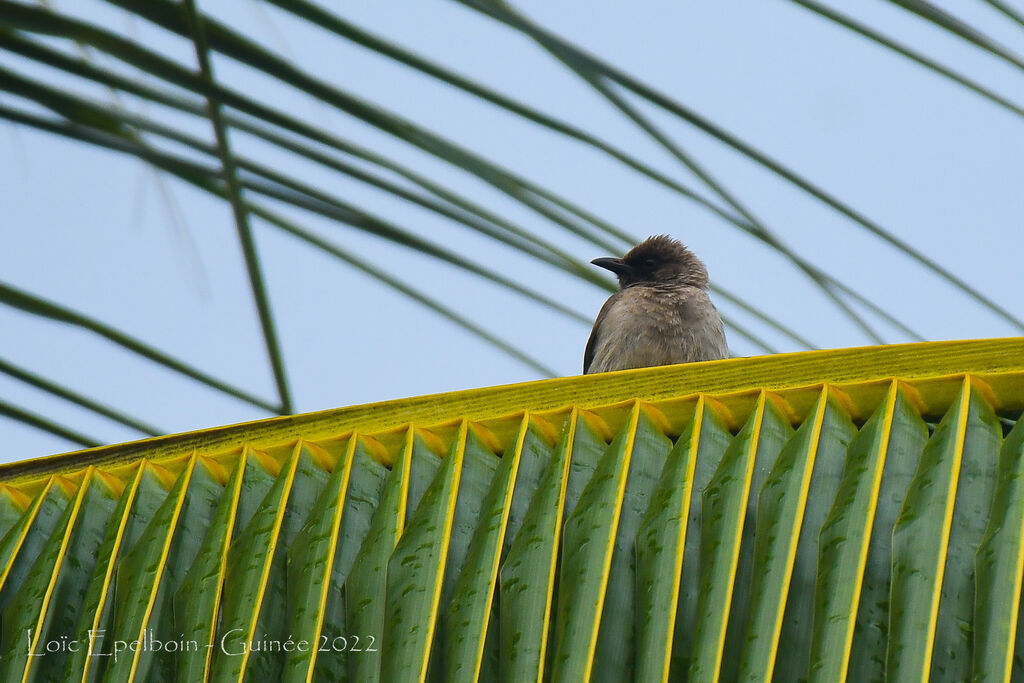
{"points": [[661, 315]]}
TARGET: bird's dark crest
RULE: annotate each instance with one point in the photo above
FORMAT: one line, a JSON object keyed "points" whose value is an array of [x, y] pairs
{"points": [[663, 259], [658, 246]]}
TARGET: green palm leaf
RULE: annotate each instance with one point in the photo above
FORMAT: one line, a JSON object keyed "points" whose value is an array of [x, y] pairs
{"points": [[659, 524]]}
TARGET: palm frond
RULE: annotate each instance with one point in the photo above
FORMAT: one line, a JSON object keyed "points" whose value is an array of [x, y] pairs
{"points": [[537, 222], [830, 515]]}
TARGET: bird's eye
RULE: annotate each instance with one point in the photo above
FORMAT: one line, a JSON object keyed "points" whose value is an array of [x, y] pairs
{"points": [[649, 262]]}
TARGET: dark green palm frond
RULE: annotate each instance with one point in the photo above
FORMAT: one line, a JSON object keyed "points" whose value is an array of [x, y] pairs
{"points": [[825, 516]]}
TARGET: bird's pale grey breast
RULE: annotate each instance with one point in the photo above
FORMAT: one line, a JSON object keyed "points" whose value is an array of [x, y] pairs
{"points": [[642, 327]]}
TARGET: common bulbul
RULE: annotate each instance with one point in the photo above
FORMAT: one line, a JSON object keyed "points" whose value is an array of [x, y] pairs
{"points": [[662, 313]]}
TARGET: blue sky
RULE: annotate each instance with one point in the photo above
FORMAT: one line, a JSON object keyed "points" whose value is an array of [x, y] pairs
{"points": [[98, 232]]}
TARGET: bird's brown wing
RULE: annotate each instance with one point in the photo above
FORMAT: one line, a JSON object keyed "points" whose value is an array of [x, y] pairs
{"points": [[588, 355]]}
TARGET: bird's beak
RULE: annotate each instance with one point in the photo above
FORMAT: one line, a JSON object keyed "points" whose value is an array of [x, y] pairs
{"points": [[616, 265]]}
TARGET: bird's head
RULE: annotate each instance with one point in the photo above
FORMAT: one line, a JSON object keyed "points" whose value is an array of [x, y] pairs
{"points": [[657, 260]]}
